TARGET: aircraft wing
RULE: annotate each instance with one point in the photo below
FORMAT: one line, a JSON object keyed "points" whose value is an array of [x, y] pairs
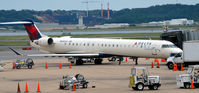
{"points": [[72, 55], [65, 55]]}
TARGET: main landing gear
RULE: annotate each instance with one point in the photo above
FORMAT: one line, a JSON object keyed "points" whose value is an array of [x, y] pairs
{"points": [[80, 61]]}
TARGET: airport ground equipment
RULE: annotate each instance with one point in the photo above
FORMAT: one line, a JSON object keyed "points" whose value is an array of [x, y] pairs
{"points": [[1, 68], [184, 80], [140, 78], [24, 63], [190, 55], [2, 64], [67, 82], [178, 37]]}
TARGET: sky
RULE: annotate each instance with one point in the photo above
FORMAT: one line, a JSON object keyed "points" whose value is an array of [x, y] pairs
{"points": [[78, 5]]}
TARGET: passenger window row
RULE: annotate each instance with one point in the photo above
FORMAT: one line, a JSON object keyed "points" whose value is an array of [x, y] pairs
{"points": [[103, 45]]}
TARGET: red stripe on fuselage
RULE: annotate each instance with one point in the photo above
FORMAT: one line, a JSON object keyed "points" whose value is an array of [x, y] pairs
{"points": [[33, 30]]}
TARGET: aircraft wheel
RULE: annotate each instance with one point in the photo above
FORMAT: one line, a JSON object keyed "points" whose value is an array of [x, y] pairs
{"points": [[79, 62], [98, 61]]}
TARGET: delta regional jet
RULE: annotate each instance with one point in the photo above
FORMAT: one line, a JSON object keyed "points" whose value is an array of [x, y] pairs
{"points": [[95, 49]]}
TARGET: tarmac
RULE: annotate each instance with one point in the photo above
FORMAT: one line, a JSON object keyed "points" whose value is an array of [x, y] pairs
{"points": [[108, 77]]}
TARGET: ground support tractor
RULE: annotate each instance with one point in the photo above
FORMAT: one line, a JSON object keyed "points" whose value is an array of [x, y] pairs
{"points": [[140, 78], [192, 75], [79, 81], [24, 63]]}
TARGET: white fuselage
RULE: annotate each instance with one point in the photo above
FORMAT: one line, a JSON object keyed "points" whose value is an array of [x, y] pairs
{"points": [[120, 47]]}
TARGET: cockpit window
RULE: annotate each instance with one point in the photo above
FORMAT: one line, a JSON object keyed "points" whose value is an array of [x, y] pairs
{"points": [[168, 46]]}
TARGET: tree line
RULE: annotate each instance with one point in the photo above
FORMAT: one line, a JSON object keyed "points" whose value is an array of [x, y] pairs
{"points": [[132, 16]]}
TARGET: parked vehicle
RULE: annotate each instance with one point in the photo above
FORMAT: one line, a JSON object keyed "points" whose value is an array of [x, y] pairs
{"points": [[140, 78], [188, 57], [184, 80], [24, 63], [67, 82]]}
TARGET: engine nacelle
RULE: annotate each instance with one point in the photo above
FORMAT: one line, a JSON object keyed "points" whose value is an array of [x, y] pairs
{"points": [[45, 41]]}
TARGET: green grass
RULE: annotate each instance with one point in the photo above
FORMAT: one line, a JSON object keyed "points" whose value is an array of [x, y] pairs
{"points": [[6, 43], [14, 38]]}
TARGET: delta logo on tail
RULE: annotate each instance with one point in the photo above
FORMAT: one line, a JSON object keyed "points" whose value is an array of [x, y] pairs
{"points": [[33, 32]]}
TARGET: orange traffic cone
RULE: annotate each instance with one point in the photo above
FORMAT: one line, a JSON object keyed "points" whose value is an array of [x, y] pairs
{"points": [[152, 65], [74, 85], [38, 88], [192, 87], [163, 60], [26, 89], [181, 67], [126, 59], [174, 67], [46, 65], [158, 64], [60, 65], [18, 88], [69, 65]]}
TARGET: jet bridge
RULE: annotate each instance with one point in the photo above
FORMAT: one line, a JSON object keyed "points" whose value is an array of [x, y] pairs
{"points": [[178, 37]]}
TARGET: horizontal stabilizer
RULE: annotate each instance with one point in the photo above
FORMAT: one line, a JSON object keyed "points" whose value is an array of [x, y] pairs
{"points": [[17, 23], [15, 51]]}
